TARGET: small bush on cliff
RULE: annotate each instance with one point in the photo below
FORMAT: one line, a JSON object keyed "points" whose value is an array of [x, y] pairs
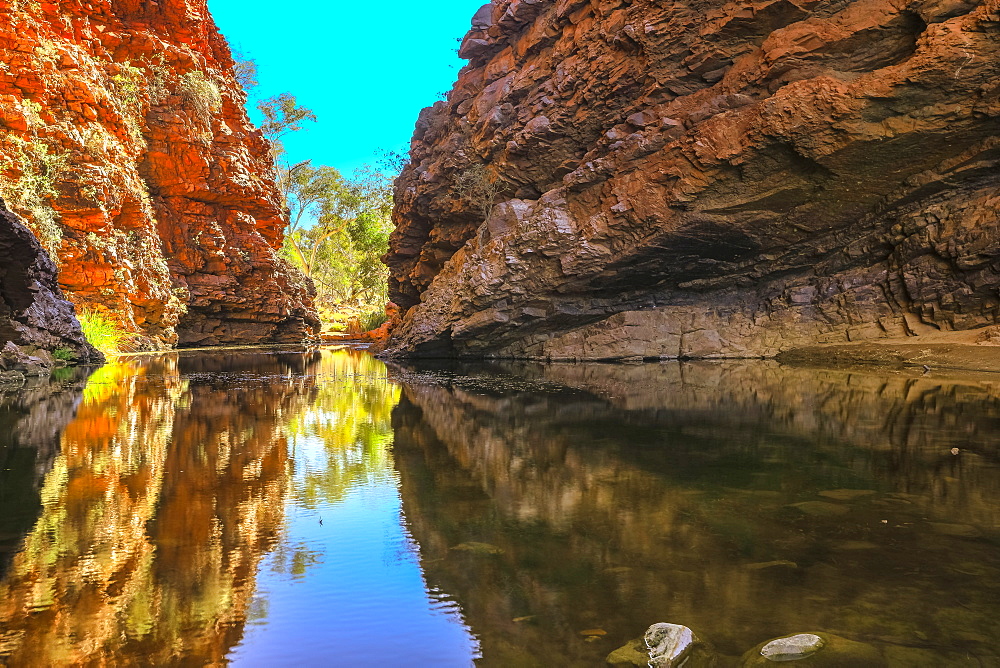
{"points": [[245, 71], [478, 186], [282, 114], [64, 354], [129, 86], [202, 94]]}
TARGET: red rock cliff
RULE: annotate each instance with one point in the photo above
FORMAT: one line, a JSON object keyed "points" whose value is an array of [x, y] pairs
{"points": [[617, 178], [125, 145]]}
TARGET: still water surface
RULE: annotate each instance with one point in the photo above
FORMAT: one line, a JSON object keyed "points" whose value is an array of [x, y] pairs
{"points": [[315, 507]]}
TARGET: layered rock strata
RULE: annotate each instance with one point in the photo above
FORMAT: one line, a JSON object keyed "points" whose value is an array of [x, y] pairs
{"points": [[34, 315], [614, 178], [126, 147]]}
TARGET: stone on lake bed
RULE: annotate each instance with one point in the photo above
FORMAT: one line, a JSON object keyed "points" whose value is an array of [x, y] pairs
{"points": [[855, 545], [957, 530], [819, 508], [771, 564], [816, 650], [668, 643], [664, 646], [792, 648], [632, 653], [846, 494], [476, 547]]}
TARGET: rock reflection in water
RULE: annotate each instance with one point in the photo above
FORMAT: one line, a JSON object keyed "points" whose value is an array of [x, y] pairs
{"points": [[31, 422], [167, 488], [746, 501], [179, 520]]}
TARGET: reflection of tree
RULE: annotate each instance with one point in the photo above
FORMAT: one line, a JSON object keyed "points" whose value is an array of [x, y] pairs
{"points": [[341, 441]]}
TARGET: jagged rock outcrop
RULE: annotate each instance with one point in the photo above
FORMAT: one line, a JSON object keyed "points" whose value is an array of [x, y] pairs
{"points": [[126, 147], [34, 314], [704, 178]]}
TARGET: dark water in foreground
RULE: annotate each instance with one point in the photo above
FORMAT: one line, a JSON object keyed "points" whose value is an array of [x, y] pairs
{"points": [[313, 507]]}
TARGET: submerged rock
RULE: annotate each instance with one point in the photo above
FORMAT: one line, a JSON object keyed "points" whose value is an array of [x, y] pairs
{"points": [[664, 645], [475, 547], [846, 494], [668, 643], [820, 508], [779, 563], [815, 650], [792, 648], [632, 653]]}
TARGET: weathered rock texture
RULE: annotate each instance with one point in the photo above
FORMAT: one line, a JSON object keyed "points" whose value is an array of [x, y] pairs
{"points": [[704, 178], [124, 143], [33, 310]]}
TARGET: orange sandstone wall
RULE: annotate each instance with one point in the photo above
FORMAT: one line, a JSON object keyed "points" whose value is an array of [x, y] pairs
{"points": [[125, 145]]}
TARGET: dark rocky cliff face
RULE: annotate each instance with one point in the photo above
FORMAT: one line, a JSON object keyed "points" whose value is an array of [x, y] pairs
{"points": [[34, 314], [125, 146], [621, 178]]}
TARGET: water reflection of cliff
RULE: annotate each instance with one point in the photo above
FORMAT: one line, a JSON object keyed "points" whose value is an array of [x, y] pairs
{"points": [[168, 488], [551, 500], [31, 422]]}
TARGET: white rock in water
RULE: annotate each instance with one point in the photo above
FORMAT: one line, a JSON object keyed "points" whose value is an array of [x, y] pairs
{"points": [[668, 644], [793, 647]]}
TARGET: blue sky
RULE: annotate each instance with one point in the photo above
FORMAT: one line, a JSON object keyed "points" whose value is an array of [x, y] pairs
{"points": [[365, 69]]}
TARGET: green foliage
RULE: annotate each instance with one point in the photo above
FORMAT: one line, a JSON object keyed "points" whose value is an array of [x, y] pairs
{"points": [[282, 115], [104, 334], [35, 186], [350, 228], [245, 70], [337, 228], [373, 319], [64, 354]]}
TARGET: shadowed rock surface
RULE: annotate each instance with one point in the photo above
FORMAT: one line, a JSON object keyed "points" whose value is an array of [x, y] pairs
{"points": [[126, 148], [613, 179], [33, 310]]}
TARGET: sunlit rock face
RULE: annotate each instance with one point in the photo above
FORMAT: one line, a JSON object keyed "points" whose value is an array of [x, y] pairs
{"points": [[613, 179], [126, 147], [33, 310], [740, 500]]}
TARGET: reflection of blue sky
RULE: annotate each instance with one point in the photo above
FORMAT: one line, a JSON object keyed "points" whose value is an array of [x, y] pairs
{"points": [[349, 591]]}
